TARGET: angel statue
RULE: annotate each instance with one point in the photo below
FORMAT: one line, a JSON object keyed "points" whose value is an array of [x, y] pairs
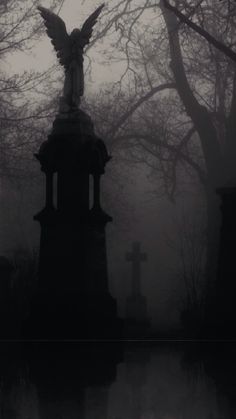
{"points": [[70, 50]]}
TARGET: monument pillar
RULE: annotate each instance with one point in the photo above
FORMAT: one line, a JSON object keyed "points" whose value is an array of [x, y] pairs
{"points": [[73, 298]]}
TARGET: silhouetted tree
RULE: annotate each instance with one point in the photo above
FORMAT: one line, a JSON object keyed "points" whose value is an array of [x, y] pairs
{"points": [[21, 92], [190, 248], [191, 132], [25, 106], [200, 30], [173, 106]]}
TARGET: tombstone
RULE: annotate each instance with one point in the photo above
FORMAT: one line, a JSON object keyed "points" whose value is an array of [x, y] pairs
{"points": [[137, 321]]}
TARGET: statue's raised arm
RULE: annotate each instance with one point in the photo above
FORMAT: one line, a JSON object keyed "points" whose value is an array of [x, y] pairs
{"points": [[69, 50]]}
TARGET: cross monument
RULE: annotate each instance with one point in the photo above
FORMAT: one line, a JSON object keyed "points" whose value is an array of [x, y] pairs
{"points": [[137, 321], [136, 257]]}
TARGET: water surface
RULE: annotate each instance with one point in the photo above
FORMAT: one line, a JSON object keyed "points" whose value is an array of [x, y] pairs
{"points": [[111, 381]]}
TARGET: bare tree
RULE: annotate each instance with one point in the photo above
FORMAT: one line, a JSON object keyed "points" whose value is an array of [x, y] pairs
{"points": [[190, 248], [176, 96], [25, 108], [22, 94], [201, 31], [173, 106]]}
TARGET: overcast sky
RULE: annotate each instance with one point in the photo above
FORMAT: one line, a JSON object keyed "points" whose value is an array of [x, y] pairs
{"points": [[42, 56]]}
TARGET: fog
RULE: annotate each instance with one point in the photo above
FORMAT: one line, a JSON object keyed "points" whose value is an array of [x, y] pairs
{"points": [[131, 192], [138, 215]]}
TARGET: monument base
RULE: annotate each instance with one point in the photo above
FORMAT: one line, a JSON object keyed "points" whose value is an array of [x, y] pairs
{"points": [[66, 315], [137, 323], [136, 329]]}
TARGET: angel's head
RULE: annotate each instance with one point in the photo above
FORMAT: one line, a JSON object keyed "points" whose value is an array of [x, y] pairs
{"points": [[56, 30], [75, 34]]}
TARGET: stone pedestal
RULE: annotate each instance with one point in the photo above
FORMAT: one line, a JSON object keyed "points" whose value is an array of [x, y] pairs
{"points": [[137, 322], [136, 308], [73, 299]]}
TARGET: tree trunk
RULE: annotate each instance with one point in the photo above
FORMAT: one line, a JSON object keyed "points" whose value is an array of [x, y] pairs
{"points": [[212, 240], [208, 141]]}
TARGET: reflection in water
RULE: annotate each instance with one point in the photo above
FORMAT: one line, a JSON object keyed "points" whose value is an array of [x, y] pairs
{"points": [[19, 397], [146, 382]]}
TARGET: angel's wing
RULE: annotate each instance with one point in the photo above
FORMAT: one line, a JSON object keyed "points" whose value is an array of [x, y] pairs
{"points": [[87, 28], [56, 30]]}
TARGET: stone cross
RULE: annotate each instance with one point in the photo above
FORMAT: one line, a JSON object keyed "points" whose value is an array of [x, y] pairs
{"points": [[136, 257]]}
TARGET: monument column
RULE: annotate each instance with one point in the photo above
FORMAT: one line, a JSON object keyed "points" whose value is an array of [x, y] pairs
{"points": [[47, 219], [73, 296]]}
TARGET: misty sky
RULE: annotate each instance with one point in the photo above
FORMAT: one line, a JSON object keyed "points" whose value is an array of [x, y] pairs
{"points": [[43, 55]]}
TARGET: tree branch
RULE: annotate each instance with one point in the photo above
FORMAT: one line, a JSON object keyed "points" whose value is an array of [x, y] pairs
{"points": [[133, 108], [171, 148], [198, 113], [213, 41]]}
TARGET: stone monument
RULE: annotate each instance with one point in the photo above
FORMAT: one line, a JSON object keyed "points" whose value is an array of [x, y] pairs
{"points": [[73, 299], [137, 321]]}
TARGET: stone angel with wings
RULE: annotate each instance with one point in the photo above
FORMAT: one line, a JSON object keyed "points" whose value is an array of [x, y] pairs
{"points": [[70, 50]]}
